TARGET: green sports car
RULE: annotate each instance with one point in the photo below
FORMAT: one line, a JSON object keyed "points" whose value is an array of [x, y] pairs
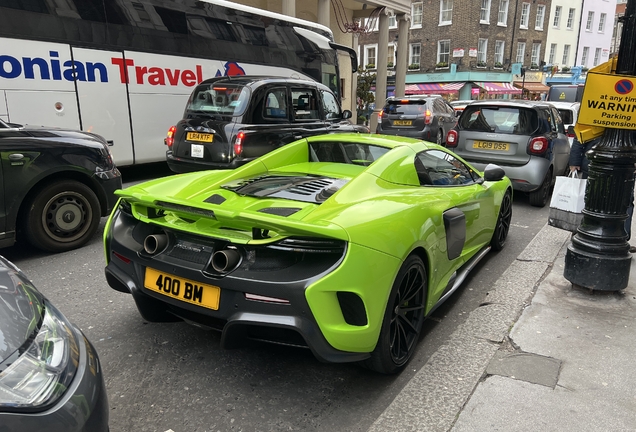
{"points": [[340, 243]]}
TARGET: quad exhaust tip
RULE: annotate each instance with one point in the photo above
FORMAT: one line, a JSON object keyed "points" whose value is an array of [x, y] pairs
{"points": [[155, 243], [225, 260]]}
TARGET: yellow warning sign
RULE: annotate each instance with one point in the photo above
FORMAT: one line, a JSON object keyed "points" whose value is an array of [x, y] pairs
{"points": [[562, 95]]}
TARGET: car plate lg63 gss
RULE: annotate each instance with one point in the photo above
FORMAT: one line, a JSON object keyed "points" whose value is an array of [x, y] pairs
{"points": [[182, 289]]}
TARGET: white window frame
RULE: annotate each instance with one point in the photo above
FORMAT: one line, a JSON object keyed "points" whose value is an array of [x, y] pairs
{"points": [[597, 56], [440, 54], [525, 15], [392, 22], [556, 22], [584, 56], [502, 13], [482, 50], [570, 20], [499, 51], [375, 55], [601, 22], [536, 54], [553, 50], [413, 56], [590, 21], [521, 52], [566, 55], [416, 15], [376, 23], [445, 12], [538, 23], [484, 12], [388, 54]]}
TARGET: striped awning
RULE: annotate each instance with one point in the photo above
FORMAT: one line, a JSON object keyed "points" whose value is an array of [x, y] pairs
{"points": [[499, 87], [432, 88]]}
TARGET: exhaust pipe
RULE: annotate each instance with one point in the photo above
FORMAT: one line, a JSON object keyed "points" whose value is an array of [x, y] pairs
{"points": [[225, 260], [155, 243]]}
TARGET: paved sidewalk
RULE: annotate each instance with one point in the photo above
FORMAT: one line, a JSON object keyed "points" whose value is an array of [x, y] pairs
{"points": [[540, 355]]}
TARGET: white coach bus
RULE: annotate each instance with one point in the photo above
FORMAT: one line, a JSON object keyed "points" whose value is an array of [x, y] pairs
{"points": [[124, 69]]}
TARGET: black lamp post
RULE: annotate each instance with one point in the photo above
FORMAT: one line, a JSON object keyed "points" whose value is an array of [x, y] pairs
{"points": [[598, 257]]}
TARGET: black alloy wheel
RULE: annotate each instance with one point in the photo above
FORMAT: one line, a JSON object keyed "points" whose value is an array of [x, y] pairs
{"points": [[403, 319], [539, 197], [440, 137], [500, 234]]}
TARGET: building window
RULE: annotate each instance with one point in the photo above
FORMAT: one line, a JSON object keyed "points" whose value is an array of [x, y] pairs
{"points": [[390, 56], [557, 17], [482, 48], [601, 23], [536, 52], [445, 12], [590, 21], [416, 15], [414, 57], [525, 15], [370, 56], [499, 53], [443, 51], [392, 22], [372, 23], [597, 56], [566, 55], [502, 17], [521, 51], [570, 18], [553, 48], [484, 13], [586, 53], [538, 24]]}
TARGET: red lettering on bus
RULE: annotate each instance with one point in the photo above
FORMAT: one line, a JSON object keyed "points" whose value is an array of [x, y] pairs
{"points": [[123, 69], [140, 72]]}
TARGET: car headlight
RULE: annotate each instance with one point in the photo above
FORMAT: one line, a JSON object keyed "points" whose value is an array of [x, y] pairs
{"points": [[45, 367]]}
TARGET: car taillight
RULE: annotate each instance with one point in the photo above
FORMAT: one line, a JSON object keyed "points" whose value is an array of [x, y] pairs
{"points": [[380, 115], [427, 117], [571, 134], [170, 136], [452, 138], [538, 145], [238, 143]]}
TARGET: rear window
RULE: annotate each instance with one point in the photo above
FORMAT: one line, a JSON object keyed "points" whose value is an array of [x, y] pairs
{"points": [[566, 116], [509, 120], [347, 153], [405, 107], [224, 99]]}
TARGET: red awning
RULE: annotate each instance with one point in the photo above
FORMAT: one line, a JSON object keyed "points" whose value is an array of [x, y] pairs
{"points": [[432, 88], [499, 87]]}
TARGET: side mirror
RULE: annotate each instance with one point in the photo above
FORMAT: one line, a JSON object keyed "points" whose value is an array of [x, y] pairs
{"points": [[493, 172], [346, 114]]}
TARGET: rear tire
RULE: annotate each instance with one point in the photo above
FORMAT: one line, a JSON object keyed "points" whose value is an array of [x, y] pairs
{"points": [[500, 234], [539, 197], [440, 137], [403, 319], [62, 216]]}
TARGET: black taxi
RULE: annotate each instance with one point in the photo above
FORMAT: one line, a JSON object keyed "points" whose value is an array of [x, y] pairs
{"points": [[229, 121]]}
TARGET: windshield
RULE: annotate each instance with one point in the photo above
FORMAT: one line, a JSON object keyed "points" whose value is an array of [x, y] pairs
{"points": [[225, 99], [510, 120]]}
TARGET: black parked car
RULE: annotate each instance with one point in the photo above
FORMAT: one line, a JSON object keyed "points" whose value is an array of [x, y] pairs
{"points": [[50, 376], [229, 121], [427, 117], [56, 185]]}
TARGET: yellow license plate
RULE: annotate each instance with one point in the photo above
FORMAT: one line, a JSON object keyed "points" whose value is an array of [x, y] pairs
{"points": [[201, 137], [402, 122], [186, 290], [490, 145]]}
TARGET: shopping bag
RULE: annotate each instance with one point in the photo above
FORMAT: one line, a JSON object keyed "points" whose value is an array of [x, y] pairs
{"points": [[568, 199]]}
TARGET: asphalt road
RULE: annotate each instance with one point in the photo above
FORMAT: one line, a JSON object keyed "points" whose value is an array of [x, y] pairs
{"points": [[175, 376]]}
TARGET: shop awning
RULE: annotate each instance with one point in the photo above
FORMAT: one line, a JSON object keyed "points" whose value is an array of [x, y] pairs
{"points": [[499, 87], [532, 87], [432, 88]]}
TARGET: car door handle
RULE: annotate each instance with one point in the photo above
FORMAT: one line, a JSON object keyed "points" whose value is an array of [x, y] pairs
{"points": [[15, 157]]}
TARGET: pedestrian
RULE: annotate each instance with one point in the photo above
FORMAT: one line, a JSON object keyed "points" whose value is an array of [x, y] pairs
{"points": [[579, 162]]}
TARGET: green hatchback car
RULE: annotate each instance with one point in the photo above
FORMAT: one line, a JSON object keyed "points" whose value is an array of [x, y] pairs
{"points": [[340, 243]]}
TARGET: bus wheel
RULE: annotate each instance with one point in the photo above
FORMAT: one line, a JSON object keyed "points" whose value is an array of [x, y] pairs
{"points": [[62, 216]]}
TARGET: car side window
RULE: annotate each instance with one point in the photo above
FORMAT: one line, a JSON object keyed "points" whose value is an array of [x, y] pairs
{"points": [[330, 106], [558, 120], [438, 168], [305, 102], [275, 104]]}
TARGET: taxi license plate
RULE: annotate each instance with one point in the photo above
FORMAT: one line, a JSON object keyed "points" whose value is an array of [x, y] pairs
{"points": [[490, 145], [201, 137], [185, 290], [402, 122]]}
